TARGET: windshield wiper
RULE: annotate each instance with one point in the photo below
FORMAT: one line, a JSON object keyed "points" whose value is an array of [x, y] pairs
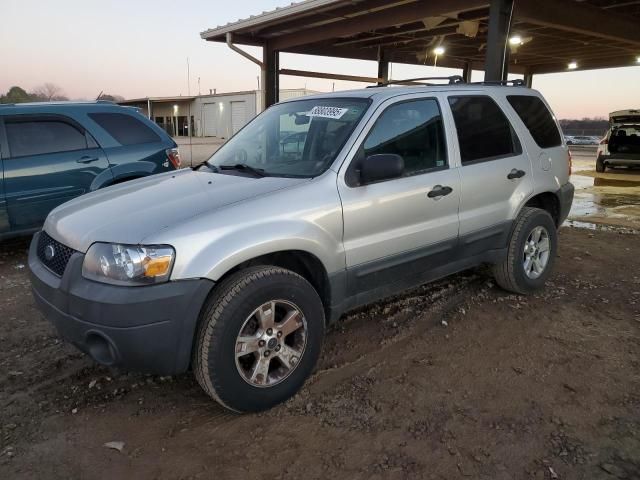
{"points": [[243, 167]]}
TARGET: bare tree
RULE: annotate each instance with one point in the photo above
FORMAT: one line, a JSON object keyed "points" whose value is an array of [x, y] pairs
{"points": [[49, 92], [112, 98]]}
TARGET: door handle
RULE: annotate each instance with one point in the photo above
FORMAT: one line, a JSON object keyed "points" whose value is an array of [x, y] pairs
{"points": [[515, 173], [439, 191], [87, 159]]}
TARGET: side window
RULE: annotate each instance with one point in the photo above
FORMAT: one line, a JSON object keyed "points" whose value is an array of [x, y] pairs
{"points": [[484, 133], [36, 137], [412, 130], [537, 118], [125, 129]]}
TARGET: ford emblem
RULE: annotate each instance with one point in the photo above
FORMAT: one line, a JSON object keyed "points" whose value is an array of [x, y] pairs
{"points": [[49, 252]]}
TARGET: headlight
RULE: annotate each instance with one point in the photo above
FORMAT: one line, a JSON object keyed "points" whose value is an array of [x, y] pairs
{"points": [[128, 264]]}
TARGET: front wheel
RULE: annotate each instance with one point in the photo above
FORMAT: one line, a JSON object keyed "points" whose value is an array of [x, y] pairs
{"points": [[259, 338], [531, 252]]}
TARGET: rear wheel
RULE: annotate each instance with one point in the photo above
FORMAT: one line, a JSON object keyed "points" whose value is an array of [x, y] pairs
{"points": [[531, 252], [600, 167], [259, 338]]}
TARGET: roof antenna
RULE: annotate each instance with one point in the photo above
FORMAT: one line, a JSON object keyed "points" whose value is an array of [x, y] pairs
{"points": [[99, 95]]}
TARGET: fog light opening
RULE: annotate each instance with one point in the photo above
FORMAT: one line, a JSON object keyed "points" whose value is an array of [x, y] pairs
{"points": [[101, 349]]}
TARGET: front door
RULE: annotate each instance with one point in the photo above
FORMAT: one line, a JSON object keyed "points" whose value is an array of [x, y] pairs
{"points": [[396, 230], [51, 160]]}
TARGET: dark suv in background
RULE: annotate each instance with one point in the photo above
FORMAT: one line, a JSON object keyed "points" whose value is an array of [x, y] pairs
{"points": [[53, 152]]}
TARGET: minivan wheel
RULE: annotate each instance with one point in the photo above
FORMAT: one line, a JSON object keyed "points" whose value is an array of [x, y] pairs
{"points": [[600, 166], [259, 338], [531, 252]]}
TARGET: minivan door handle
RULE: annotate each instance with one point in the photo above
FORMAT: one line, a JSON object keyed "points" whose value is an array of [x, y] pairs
{"points": [[87, 159], [515, 173], [439, 191]]}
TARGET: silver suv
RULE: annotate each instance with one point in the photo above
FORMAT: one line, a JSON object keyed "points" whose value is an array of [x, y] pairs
{"points": [[317, 206]]}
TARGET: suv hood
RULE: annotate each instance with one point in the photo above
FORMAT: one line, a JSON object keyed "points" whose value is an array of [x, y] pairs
{"points": [[129, 212]]}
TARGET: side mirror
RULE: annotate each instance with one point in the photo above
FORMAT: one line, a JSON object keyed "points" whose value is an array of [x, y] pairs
{"points": [[383, 166]]}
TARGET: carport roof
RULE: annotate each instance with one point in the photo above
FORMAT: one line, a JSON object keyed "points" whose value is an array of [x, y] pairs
{"points": [[592, 33], [158, 99]]}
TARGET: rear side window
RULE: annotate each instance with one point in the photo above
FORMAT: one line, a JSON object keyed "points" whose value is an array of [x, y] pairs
{"points": [[484, 133], [37, 137], [125, 129], [412, 130], [537, 118]]}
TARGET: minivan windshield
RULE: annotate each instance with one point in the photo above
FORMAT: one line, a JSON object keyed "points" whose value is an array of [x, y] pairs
{"points": [[299, 138]]}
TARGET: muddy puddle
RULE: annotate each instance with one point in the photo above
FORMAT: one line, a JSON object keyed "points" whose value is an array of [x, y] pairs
{"points": [[609, 201]]}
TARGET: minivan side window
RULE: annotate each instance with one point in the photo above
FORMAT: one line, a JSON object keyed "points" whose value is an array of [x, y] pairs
{"points": [[537, 118], [484, 133], [36, 137], [412, 129], [125, 129]]}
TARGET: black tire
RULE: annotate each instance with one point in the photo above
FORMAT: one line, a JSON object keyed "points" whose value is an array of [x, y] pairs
{"points": [[600, 166], [225, 313], [510, 273]]}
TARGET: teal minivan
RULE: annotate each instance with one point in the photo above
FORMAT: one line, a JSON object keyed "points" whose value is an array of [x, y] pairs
{"points": [[53, 152]]}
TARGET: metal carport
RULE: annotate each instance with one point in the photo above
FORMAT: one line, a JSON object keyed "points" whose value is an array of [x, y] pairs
{"points": [[498, 36]]}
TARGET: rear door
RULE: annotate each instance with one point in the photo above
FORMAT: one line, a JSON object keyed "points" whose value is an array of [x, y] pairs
{"points": [[495, 172], [51, 159]]}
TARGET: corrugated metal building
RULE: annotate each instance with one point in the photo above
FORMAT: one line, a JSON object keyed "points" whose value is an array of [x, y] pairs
{"points": [[215, 115]]}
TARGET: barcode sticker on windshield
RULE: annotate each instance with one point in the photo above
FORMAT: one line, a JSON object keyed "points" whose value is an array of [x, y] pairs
{"points": [[327, 112]]}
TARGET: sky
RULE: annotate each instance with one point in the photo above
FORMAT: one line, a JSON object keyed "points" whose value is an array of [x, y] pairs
{"points": [[139, 48]]}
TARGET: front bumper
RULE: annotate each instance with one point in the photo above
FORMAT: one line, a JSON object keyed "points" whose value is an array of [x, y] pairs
{"points": [[146, 329], [565, 195]]}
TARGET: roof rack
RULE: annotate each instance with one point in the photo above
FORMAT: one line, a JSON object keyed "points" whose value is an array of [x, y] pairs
{"points": [[517, 82], [452, 80], [58, 102]]}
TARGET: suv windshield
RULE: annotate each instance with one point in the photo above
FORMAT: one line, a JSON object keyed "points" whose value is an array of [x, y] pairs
{"points": [[293, 139]]}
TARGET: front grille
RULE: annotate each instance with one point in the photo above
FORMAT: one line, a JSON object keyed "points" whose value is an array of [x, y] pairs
{"points": [[53, 254]]}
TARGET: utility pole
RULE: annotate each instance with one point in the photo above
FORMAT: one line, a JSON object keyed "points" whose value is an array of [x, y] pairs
{"points": [[188, 79]]}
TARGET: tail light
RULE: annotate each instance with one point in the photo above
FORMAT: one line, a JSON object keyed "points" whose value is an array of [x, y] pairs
{"points": [[569, 161], [604, 141], [173, 155]]}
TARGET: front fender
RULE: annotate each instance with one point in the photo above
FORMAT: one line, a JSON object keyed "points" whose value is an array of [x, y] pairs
{"points": [[231, 248]]}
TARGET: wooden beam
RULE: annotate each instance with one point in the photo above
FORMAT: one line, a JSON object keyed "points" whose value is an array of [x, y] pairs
{"points": [[581, 18], [594, 64], [330, 76], [412, 12]]}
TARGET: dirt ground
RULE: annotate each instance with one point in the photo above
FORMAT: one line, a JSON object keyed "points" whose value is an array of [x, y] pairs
{"points": [[453, 380]]}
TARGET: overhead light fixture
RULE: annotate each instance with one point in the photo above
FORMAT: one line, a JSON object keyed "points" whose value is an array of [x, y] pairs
{"points": [[515, 40], [572, 65], [638, 60], [439, 50]]}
